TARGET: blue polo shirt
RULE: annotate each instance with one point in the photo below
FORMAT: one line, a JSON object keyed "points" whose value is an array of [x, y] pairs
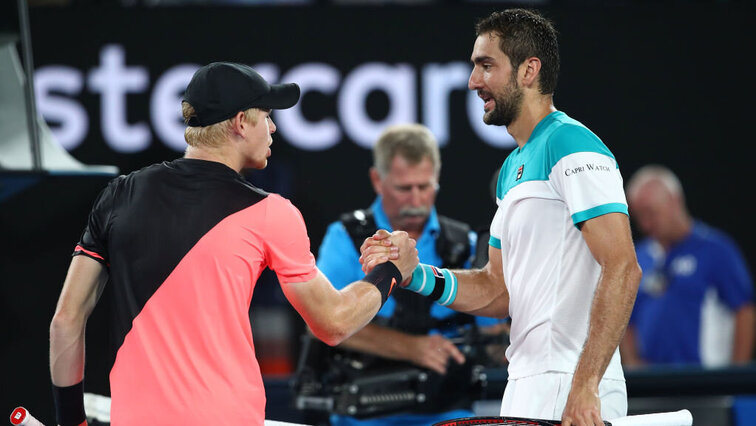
{"points": [[338, 259], [683, 312]]}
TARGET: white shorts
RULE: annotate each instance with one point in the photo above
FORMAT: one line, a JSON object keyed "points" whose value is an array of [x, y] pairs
{"points": [[543, 396]]}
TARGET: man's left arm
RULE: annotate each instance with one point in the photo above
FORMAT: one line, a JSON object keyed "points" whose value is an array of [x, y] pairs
{"points": [[84, 283], [734, 285], [745, 333], [610, 241]]}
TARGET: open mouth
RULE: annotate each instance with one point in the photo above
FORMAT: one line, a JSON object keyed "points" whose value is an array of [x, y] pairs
{"points": [[488, 100]]}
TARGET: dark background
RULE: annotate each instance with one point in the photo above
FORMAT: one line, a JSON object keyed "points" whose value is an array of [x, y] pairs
{"points": [[658, 83], [668, 84]]}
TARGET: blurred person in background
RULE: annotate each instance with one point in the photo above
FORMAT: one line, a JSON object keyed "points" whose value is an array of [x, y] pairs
{"points": [[409, 327], [695, 304]]}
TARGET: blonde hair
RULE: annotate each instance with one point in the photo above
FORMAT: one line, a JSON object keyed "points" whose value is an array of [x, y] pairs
{"points": [[213, 135], [412, 141]]}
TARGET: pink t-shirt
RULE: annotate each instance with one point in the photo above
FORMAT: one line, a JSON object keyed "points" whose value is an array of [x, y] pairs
{"points": [[187, 354]]}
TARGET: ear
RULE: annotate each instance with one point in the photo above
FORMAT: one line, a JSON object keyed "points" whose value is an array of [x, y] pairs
{"points": [[238, 124], [530, 69], [375, 179]]}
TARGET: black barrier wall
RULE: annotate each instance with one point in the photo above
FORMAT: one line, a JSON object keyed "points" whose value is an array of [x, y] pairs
{"points": [[658, 84], [667, 84]]}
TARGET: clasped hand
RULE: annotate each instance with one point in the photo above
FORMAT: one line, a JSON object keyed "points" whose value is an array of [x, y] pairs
{"points": [[396, 247]]}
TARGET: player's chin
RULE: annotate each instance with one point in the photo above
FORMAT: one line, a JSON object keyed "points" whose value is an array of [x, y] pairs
{"points": [[490, 118], [259, 164]]}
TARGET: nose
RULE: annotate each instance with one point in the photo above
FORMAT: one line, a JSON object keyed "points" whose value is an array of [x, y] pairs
{"points": [[272, 126], [416, 196], [473, 83]]}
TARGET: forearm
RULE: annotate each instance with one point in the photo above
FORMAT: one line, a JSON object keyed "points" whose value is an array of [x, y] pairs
{"points": [[479, 292], [610, 312], [382, 341], [347, 311], [67, 349], [745, 328], [482, 292]]}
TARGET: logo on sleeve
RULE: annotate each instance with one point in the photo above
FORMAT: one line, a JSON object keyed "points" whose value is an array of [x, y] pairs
{"points": [[519, 172], [589, 167]]}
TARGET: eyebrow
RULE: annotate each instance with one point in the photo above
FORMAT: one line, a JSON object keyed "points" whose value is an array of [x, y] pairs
{"points": [[479, 59]]}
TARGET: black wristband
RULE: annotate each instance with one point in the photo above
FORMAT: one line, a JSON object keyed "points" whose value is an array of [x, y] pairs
{"points": [[385, 277], [69, 404], [440, 284]]}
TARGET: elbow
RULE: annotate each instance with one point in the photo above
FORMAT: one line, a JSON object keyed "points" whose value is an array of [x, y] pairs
{"points": [[630, 281], [626, 270], [66, 323], [333, 332], [334, 339], [634, 274], [331, 336]]}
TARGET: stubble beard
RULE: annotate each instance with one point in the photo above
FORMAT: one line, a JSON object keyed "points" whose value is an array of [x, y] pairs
{"points": [[507, 106]]}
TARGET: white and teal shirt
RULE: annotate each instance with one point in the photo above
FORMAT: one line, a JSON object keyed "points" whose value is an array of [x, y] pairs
{"points": [[563, 176]]}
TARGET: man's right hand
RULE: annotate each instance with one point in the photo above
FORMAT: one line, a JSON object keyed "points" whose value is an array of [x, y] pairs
{"points": [[583, 406], [433, 352], [396, 247]]}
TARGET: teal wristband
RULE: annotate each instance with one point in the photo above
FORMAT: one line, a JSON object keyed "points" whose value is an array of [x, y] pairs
{"points": [[422, 280], [449, 294], [437, 283]]}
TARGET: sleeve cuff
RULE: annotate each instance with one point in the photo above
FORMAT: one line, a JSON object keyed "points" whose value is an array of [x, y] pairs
{"points": [[79, 250], [598, 211]]}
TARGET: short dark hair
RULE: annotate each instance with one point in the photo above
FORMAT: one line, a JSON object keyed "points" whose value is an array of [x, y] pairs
{"points": [[523, 34]]}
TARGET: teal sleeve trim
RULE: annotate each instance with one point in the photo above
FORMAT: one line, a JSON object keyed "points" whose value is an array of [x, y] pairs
{"points": [[495, 242], [598, 211]]}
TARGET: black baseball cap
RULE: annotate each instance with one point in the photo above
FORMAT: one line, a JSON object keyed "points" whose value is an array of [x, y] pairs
{"points": [[221, 89]]}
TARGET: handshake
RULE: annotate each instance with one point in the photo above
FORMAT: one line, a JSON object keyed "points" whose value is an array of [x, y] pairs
{"points": [[396, 247]]}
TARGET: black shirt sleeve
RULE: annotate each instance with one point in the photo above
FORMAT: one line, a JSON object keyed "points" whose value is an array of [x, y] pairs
{"points": [[94, 242]]}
